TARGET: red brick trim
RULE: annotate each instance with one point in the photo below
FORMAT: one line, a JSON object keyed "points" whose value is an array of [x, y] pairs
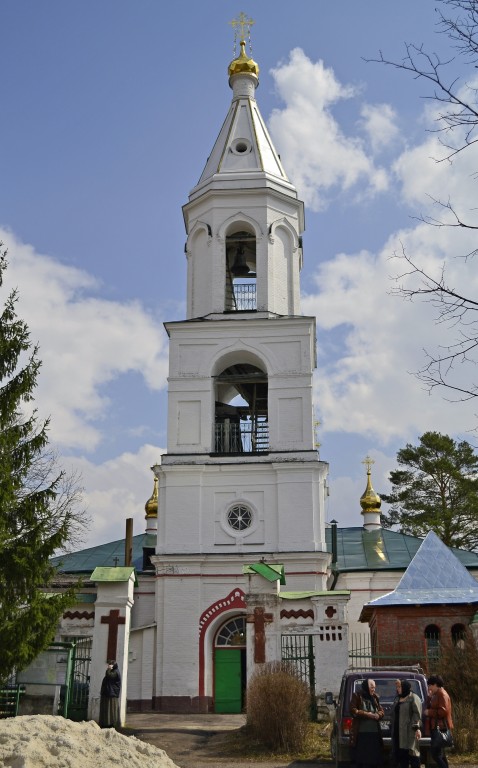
{"points": [[235, 600]]}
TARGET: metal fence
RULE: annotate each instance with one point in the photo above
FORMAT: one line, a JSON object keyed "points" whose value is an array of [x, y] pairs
{"points": [[421, 651], [244, 296], [299, 651], [243, 437]]}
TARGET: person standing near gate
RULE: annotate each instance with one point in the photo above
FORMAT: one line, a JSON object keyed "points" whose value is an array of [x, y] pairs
{"points": [[109, 700]]}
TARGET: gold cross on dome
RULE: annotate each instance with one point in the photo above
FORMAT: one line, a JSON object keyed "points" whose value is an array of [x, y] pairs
{"points": [[243, 22], [368, 461]]}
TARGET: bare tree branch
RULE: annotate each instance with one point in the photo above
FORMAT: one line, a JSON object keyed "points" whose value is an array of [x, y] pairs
{"points": [[457, 126]]}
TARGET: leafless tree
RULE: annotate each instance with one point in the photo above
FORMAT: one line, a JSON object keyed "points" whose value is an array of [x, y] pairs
{"points": [[456, 124]]}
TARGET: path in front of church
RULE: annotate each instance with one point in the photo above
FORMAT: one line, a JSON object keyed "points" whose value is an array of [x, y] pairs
{"points": [[194, 741]]}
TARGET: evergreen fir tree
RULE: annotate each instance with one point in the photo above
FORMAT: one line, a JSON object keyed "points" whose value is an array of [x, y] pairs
{"points": [[37, 502], [436, 489]]}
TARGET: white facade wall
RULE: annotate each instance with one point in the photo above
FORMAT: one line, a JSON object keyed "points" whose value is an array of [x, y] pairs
{"points": [[286, 499], [284, 348], [142, 665], [144, 602]]}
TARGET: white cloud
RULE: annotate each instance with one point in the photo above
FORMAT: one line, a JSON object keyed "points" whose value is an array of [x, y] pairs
{"points": [[366, 387], [319, 156], [379, 121], [425, 180], [85, 342]]}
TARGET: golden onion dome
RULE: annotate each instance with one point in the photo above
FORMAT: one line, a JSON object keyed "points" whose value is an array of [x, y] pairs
{"points": [[370, 501], [152, 505], [243, 64]]}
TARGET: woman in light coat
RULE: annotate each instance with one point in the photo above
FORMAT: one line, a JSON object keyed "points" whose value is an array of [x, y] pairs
{"points": [[405, 723]]}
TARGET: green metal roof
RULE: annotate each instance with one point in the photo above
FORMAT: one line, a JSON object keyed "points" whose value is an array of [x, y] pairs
{"points": [[357, 550], [114, 574], [382, 549], [314, 593], [110, 554], [271, 572]]}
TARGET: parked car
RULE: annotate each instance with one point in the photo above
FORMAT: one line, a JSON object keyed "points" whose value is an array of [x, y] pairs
{"points": [[386, 691]]}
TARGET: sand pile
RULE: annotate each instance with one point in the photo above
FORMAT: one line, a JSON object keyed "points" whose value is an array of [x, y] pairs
{"points": [[45, 741]]}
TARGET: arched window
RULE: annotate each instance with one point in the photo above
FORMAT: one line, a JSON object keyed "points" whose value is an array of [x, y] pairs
{"points": [[241, 272], [241, 412], [458, 632], [432, 640], [233, 633]]}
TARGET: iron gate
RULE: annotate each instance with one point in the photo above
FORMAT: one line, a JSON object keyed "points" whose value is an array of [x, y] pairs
{"points": [[299, 649], [79, 682]]}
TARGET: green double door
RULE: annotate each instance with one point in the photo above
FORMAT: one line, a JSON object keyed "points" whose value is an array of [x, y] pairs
{"points": [[229, 680]]}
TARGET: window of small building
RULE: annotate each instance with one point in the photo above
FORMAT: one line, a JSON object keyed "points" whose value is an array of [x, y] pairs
{"points": [[432, 641], [458, 632]]}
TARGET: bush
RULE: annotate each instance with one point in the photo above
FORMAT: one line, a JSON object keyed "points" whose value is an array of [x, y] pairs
{"points": [[278, 707], [465, 735], [458, 665]]}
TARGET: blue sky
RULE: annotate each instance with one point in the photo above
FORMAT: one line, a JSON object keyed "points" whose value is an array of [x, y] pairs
{"points": [[110, 109]]}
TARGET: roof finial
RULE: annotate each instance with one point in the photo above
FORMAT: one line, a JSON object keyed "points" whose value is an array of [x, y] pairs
{"points": [[368, 461], [244, 23], [243, 64]]}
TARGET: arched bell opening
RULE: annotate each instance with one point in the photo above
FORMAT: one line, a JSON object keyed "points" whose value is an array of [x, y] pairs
{"points": [[241, 410], [241, 272]]}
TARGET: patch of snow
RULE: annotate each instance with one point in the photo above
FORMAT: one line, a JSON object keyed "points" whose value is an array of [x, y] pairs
{"points": [[46, 741]]}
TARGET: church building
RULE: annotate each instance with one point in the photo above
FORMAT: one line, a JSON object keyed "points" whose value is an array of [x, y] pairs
{"points": [[238, 506]]}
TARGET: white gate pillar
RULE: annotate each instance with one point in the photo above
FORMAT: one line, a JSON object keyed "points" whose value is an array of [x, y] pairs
{"points": [[113, 605], [263, 614]]}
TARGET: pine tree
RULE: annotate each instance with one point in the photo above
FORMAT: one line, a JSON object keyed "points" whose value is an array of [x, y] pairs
{"points": [[37, 502], [436, 489]]}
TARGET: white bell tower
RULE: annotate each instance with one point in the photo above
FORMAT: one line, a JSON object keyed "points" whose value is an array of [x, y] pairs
{"points": [[241, 479]]}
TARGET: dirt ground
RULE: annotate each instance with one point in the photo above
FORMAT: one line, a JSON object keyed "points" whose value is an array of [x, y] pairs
{"points": [[198, 741]]}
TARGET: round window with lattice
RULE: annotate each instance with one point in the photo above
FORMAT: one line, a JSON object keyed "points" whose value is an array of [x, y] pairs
{"points": [[239, 517]]}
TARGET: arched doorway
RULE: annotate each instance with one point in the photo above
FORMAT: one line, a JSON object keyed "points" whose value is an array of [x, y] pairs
{"points": [[230, 666]]}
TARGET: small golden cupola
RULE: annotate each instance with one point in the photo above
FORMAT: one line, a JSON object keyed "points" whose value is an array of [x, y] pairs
{"points": [[151, 509], [370, 501], [243, 64]]}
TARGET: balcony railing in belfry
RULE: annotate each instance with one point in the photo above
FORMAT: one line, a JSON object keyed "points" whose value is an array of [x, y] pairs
{"points": [[245, 437], [245, 296]]}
